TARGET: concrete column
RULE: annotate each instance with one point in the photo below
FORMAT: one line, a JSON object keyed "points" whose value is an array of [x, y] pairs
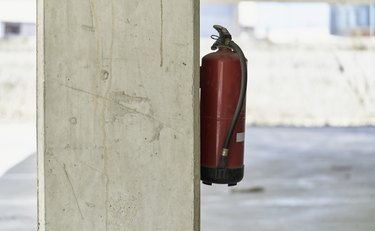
{"points": [[118, 135]]}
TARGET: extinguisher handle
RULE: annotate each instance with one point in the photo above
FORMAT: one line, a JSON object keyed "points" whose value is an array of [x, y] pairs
{"points": [[224, 37]]}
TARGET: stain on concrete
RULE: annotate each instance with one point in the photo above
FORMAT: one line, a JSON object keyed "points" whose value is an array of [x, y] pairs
{"points": [[157, 132], [124, 104], [73, 120], [90, 205], [104, 75], [88, 28], [121, 96]]}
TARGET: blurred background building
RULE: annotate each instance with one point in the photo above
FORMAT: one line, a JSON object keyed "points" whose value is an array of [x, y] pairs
{"points": [[310, 19], [17, 18], [314, 58], [349, 20]]}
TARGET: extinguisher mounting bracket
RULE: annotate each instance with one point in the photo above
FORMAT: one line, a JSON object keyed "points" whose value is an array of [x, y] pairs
{"points": [[224, 37]]}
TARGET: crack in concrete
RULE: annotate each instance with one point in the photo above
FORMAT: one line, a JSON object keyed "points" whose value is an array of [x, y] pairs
{"points": [[94, 21], [161, 32], [109, 86], [91, 167], [74, 193], [129, 109]]}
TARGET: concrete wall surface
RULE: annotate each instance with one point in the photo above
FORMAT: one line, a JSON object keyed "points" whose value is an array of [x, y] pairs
{"points": [[118, 138]]}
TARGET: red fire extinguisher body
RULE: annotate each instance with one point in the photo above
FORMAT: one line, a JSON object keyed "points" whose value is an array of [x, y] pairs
{"points": [[220, 91]]}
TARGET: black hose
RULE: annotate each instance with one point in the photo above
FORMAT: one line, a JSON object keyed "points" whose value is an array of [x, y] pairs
{"points": [[240, 103]]}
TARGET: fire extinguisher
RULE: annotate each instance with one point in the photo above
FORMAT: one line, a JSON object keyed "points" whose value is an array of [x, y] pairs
{"points": [[223, 92]]}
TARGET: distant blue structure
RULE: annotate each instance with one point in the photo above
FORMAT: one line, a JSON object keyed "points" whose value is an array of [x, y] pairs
{"points": [[10, 30], [352, 20]]}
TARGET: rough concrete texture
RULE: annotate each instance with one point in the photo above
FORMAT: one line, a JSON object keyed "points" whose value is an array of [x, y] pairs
{"points": [[118, 124], [299, 179]]}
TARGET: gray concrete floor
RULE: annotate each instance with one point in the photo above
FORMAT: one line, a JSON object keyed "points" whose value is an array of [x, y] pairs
{"points": [[305, 179], [298, 179], [18, 197]]}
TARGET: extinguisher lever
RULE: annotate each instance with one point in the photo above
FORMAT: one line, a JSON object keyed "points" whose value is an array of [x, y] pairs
{"points": [[224, 37]]}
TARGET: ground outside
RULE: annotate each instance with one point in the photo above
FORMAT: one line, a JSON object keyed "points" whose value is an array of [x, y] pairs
{"points": [[296, 179]]}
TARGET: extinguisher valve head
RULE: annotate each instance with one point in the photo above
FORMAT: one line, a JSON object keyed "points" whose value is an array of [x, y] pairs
{"points": [[224, 37]]}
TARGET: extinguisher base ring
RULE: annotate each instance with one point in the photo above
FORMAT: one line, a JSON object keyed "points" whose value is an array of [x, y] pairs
{"points": [[230, 176]]}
